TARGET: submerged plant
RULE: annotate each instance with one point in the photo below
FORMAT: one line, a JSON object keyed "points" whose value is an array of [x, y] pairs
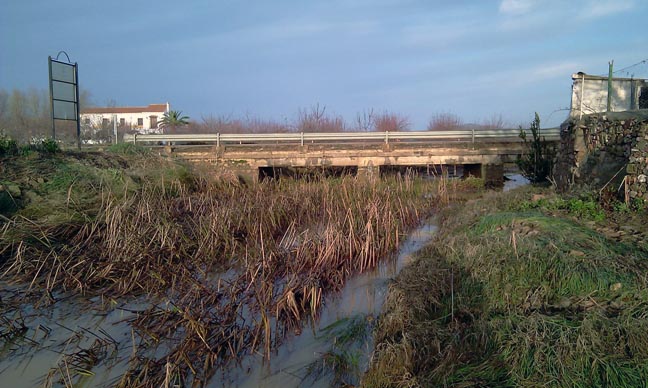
{"points": [[342, 363]]}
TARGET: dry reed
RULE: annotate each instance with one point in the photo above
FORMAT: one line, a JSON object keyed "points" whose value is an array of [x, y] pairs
{"points": [[229, 269]]}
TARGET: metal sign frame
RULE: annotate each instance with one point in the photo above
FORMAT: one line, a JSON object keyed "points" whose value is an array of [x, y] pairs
{"points": [[64, 92]]}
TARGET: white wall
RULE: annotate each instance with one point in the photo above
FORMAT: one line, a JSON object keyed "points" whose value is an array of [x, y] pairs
{"points": [[130, 120], [589, 94]]}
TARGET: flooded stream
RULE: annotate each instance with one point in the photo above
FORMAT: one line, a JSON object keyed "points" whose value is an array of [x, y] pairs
{"points": [[48, 339], [361, 298]]}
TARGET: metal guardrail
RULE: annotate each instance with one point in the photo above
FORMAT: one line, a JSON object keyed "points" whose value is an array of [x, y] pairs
{"points": [[469, 135]]}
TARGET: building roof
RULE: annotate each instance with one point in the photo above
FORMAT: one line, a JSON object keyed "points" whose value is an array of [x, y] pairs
{"points": [[580, 75], [126, 109]]}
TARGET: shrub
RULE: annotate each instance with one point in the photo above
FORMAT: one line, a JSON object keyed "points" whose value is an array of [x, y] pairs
{"points": [[49, 146], [8, 146], [537, 164]]}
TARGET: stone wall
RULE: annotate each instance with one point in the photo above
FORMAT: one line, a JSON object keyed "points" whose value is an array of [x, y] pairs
{"points": [[605, 149]]}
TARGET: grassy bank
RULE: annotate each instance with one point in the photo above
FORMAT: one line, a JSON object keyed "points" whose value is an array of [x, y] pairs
{"points": [[521, 289], [224, 269]]}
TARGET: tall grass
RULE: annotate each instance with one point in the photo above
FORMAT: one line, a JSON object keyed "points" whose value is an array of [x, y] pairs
{"points": [[230, 269], [506, 297]]}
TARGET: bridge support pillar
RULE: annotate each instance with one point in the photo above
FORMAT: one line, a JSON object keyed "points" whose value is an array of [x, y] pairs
{"points": [[369, 172], [492, 174]]}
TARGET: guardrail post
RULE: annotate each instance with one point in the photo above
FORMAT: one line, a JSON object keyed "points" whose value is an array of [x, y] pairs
{"points": [[302, 138], [386, 137], [218, 139], [135, 138], [473, 135]]}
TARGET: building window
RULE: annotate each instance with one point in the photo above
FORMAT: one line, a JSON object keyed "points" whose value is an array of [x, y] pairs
{"points": [[104, 122], [86, 121], [122, 122], [140, 121]]}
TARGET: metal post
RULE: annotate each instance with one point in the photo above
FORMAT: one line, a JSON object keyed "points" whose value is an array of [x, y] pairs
{"points": [[609, 96], [49, 63], [473, 135], [218, 139], [302, 139], [114, 117], [386, 137], [78, 106], [135, 138]]}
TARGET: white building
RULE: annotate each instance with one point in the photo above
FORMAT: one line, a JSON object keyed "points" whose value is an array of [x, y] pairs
{"points": [[142, 119], [590, 94]]}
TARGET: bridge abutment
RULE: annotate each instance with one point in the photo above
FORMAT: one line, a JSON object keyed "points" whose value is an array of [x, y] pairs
{"points": [[492, 174], [369, 172]]}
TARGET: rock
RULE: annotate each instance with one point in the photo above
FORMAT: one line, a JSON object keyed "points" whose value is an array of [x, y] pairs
{"points": [[576, 253], [564, 303], [13, 189], [32, 197], [616, 287], [642, 178]]}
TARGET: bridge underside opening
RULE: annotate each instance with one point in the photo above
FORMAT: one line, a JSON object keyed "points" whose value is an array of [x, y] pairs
{"points": [[431, 170], [307, 173], [472, 170]]}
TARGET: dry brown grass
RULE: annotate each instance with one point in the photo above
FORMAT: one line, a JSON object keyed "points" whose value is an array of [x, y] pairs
{"points": [[229, 269]]}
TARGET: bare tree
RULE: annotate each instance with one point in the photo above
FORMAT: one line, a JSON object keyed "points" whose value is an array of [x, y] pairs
{"points": [[365, 121], [496, 121], [4, 109], [391, 122], [444, 122], [227, 124], [26, 114], [316, 120]]}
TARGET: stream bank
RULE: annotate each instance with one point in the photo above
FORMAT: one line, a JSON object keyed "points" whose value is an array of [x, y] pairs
{"points": [[520, 289]]}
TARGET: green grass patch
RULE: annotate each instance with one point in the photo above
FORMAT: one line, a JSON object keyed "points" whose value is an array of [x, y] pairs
{"points": [[538, 297], [129, 149]]}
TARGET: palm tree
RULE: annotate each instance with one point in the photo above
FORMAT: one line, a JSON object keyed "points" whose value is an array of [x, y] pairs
{"points": [[173, 119]]}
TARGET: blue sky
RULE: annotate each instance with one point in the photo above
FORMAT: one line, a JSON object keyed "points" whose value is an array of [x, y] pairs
{"points": [[267, 59]]}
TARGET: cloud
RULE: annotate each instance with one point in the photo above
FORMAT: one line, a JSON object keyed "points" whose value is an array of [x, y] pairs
{"points": [[601, 8], [527, 76], [516, 7], [553, 70]]}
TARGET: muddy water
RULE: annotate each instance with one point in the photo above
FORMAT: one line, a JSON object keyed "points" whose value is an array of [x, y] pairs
{"points": [[363, 296], [513, 181], [101, 326], [66, 329]]}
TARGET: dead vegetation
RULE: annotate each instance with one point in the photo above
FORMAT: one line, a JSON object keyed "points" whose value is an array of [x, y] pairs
{"points": [[226, 269]]}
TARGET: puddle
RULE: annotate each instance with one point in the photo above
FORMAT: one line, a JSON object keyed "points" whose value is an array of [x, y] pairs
{"points": [[513, 181]]}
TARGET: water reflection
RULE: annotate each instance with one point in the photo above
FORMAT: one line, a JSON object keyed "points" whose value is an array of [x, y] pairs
{"points": [[363, 295]]}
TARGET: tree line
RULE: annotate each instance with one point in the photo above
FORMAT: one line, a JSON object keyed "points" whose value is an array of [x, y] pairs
{"points": [[25, 116]]}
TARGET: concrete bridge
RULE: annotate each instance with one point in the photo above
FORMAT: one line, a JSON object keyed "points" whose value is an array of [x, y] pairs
{"points": [[481, 153]]}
